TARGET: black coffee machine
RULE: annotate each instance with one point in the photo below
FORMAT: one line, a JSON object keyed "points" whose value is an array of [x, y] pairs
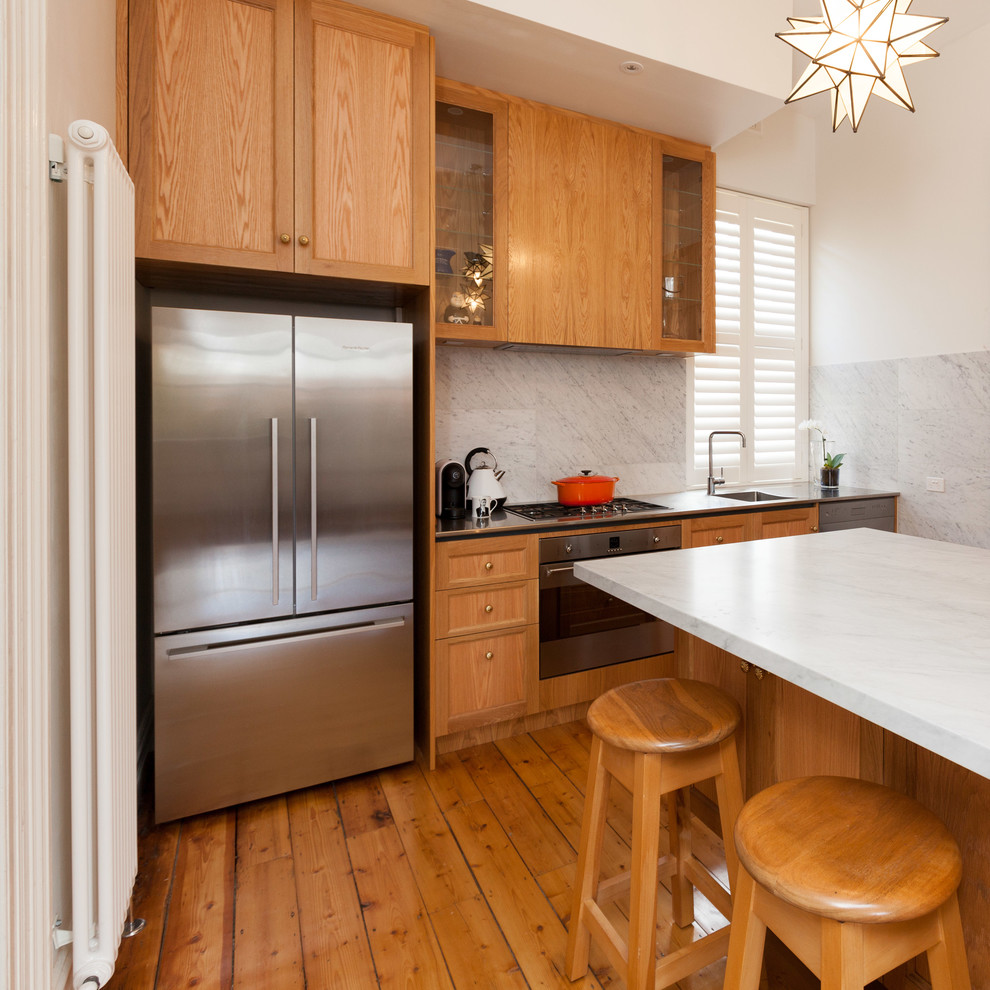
{"points": [[451, 489]]}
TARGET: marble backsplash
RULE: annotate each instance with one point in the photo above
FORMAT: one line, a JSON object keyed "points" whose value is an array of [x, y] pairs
{"points": [[906, 420], [547, 415]]}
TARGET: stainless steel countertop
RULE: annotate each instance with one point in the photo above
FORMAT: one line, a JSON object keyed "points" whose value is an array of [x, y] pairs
{"points": [[670, 505]]}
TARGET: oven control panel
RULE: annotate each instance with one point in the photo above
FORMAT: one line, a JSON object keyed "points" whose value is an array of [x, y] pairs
{"points": [[585, 546]]}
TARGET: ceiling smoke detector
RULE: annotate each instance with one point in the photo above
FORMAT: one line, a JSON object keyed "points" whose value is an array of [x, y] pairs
{"points": [[630, 67]]}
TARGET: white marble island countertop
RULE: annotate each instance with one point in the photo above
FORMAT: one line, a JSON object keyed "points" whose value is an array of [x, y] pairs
{"points": [[891, 627]]}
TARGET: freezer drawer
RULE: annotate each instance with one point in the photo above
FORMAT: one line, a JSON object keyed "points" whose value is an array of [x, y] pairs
{"points": [[238, 717]]}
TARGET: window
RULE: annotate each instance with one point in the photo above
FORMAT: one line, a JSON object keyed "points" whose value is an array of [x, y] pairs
{"points": [[757, 379]]}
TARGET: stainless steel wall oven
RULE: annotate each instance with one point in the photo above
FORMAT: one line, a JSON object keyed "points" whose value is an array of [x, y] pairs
{"points": [[582, 628]]}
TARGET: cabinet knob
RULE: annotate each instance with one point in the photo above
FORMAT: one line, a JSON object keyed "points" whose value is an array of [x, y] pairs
{"points": [[285, 238], [489, 655], [814, 529], [744, 666], [488, 565], [303, 240], [719, 539], [488, 608]]}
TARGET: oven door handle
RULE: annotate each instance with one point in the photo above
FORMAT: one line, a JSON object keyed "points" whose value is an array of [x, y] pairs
{"points": [[558, 570]]}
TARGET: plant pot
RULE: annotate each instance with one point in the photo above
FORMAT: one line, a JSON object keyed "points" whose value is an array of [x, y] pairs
{"points": [[830, 478]]}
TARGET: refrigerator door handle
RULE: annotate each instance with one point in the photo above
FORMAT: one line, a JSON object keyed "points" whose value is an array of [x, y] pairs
{"points": [[217, 649], [313, 560], [274, 510]]}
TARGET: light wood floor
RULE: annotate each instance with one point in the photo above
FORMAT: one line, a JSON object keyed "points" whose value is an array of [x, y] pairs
{"points": [[453, 879]]}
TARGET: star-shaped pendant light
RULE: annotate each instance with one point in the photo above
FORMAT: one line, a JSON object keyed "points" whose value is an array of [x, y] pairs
{"points": [[857, 48]]}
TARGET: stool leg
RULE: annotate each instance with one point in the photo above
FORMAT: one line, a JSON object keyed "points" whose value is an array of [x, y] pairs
{"points": [[728, 788], [589, 861], [746, 938], [643, 887], [842, 955], [947, 960], [679, 829]]}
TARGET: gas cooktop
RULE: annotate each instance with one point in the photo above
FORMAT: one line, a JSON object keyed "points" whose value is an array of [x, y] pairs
{"points": [[608, 510]]}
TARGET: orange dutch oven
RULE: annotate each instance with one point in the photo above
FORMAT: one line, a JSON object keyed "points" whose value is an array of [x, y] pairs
{"points": [[585, 489]]}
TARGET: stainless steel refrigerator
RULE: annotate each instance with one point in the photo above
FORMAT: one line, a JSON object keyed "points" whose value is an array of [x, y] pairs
{"points": [[283, 517]]}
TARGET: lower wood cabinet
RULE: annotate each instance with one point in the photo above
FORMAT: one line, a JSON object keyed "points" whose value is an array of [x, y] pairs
{"points": [[487, 649], [485, 679], [739, 527], [468, 610]]}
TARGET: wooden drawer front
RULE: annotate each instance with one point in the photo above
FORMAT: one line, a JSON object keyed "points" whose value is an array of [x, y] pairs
{"points": [[788, 522], [707, 531], [490, 561], [460, 613], [485, 679]]}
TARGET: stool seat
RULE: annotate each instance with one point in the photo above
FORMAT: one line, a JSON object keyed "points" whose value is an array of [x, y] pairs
{"points": [[854, 878], [665, 715], [848, 849]]}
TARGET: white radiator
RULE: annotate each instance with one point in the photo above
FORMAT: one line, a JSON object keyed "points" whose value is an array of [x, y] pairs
{"points": [[101, 549]]}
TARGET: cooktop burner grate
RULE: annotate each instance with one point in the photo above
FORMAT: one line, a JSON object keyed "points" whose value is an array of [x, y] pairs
{"points": [[554, 510]]}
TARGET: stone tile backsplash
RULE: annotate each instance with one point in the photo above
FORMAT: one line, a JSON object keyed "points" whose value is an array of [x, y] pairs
{"points": [[547, 415], [904, 421]]}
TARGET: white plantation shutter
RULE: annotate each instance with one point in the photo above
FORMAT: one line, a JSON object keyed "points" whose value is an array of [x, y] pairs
{"points": [[757, 379]]}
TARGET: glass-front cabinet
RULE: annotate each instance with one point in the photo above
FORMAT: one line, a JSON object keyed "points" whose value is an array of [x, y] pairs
{"points": [[469, 265], [684, 278]]}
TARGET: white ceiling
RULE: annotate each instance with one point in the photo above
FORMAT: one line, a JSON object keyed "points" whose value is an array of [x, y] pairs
{"points": [[476, 43]]}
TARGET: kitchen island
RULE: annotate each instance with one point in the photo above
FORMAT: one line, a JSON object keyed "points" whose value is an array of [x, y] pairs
{"points": [[889, 627]]}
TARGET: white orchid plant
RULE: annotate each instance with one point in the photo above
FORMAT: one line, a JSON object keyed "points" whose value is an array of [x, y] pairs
{"points": [[830, 461]]}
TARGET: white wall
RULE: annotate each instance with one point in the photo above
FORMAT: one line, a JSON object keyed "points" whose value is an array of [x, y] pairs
{"points": [[900, 250], [775, 159], [80, 83]]}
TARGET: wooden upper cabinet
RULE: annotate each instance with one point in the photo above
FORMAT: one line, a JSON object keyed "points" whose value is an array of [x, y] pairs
{"points": [[684, 242], [611, 234], [281, 136], [580, 201], [471, 213], [210, 136], [364, 103]]}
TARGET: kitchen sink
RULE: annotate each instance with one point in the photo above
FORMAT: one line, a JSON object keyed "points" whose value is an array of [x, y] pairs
{"points": [[752, 496]]}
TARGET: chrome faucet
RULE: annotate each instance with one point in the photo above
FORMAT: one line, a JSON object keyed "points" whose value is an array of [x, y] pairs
{"points": [[712, 480]]}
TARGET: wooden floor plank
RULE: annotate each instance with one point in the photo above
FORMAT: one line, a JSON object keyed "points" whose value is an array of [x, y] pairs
{"points": [[538, 840], [561, 800], [263, 830], [441, 873], [568, 746], [451, 783], [475, 949], [402, 940], [531, 927], [267, 945], [336, 954], [137, 960], [198, 943], [362, 804]]}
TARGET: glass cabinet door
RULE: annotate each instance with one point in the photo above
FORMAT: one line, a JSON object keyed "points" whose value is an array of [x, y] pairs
{"points": [[685, 278], [469, 287]]}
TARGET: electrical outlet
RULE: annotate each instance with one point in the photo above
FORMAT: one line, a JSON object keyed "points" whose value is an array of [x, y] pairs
{"points": [[935, 485]]}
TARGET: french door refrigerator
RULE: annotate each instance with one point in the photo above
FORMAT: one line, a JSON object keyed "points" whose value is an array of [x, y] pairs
{"points": [[282, 531]]}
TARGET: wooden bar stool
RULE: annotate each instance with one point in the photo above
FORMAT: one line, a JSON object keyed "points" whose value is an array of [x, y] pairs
{"points": [[853, 877], [655, 737]]}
